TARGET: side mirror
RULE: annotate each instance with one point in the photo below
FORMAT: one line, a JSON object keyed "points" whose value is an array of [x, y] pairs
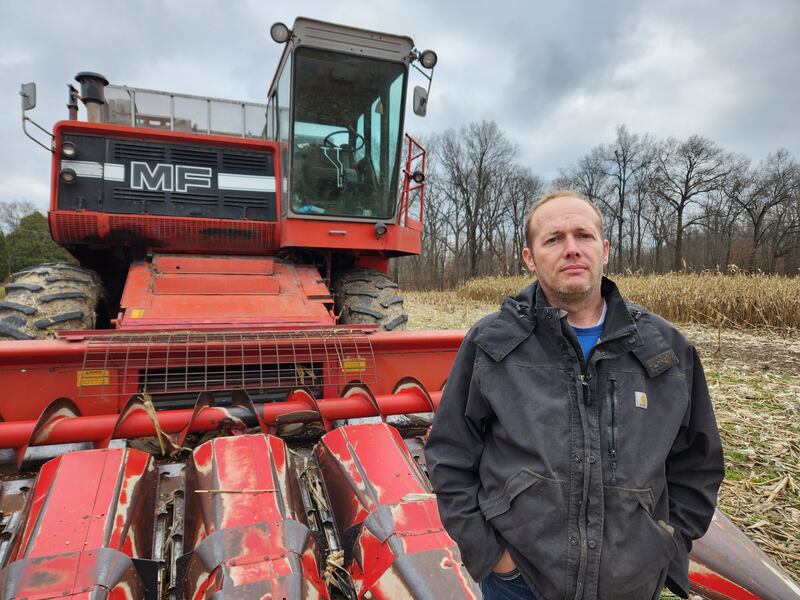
{"points": [[420, 101], [28, 93]]}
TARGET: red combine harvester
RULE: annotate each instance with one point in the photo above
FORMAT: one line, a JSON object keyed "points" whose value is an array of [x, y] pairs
{"points": [[220, 400]]}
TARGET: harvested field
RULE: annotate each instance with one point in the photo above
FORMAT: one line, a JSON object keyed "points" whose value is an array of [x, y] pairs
{"points": [[754, 379]]}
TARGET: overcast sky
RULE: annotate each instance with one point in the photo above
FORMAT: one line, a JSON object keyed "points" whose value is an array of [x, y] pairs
{"points": [[557, 76]]}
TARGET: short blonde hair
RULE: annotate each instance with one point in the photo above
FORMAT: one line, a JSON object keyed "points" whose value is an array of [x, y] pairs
{"points": [[563, 193]]}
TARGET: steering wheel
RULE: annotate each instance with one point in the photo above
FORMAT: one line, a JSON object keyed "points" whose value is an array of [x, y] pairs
{"points": [[329, 143]]}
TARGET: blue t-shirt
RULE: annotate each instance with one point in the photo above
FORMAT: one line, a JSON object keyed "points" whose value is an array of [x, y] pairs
{"points": [[588, 336]]}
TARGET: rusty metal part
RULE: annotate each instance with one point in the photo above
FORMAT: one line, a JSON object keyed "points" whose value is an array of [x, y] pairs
{"points": [[726, 564], [394, 543], [241, 541], [87, 523]]}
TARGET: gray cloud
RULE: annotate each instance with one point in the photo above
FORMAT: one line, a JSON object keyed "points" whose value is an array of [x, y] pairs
{"points": [[556, 76]]}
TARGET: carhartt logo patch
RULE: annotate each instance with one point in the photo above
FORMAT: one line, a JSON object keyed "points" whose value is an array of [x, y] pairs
{"points": [[641, 399]]}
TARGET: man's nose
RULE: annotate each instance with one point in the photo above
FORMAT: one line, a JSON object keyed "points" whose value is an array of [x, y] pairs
{"points": [[571, 247]]}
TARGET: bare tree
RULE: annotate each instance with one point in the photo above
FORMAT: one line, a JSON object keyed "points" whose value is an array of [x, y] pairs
{"points": [[643, 196], [622, 161], [11, 213], [686, 171], [474, 161], [666, 204], [762, 198], [525, 188], [589, 177]]}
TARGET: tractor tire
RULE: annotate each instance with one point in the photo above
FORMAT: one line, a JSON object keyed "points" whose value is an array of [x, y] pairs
{"points": [[366, 296], [41, 300]]}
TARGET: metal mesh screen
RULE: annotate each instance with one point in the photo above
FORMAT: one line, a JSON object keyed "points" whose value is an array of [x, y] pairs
{"points": [[161, 363]]}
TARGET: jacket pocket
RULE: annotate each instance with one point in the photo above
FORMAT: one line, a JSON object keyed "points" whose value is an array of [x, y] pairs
{"points": [[636, 547], [529, 514]]}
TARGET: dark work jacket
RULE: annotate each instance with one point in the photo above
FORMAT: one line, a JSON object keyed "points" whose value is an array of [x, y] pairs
{"points": [[595, 474]]}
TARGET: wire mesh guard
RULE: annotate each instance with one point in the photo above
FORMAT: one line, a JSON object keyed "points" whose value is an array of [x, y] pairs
{"points": [[182, 362]]}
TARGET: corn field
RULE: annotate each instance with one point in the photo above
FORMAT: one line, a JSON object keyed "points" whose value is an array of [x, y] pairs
{"points": [[738, 300]]}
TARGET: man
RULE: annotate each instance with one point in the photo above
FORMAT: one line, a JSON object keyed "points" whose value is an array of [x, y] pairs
{"points": [[575, 452]]}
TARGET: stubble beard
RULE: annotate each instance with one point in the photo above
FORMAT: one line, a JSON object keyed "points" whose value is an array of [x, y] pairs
{"points": [[574, 295], [567, 295]]}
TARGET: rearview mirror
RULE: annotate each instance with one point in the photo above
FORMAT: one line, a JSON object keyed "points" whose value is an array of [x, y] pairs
{"points": [[420, 101], [28, 93]]}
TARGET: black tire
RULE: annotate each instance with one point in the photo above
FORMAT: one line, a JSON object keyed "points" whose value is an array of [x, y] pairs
{"points": [[41, 300], [366, 296]]}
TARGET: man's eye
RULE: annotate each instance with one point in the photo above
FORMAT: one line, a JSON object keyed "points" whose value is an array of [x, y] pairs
{"points": [[550, 241]]}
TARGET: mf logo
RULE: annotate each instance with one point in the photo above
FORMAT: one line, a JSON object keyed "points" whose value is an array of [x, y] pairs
{"points": [[169, 178]]}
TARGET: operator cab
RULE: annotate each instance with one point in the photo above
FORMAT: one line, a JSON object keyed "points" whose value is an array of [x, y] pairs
{"points": [[336, 108]]}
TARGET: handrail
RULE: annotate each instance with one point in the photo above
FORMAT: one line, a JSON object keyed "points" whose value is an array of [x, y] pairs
{"points": [[123, 107], [416, 154]]}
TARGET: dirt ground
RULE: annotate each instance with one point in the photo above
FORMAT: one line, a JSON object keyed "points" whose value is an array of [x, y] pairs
{"points": [[754, 380]]}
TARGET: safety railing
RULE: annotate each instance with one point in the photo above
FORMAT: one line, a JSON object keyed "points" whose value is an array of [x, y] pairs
{"points": [[137, 107], [412, 194]]}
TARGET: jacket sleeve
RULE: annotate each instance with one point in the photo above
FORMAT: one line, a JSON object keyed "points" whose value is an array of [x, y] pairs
{"points": [[453, 454], [694, 471]]}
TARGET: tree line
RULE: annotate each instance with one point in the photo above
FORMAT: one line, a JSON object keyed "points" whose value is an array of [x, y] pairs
{"points": [[25, 239], [669, 205]]}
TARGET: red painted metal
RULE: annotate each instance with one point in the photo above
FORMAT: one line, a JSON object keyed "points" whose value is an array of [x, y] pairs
{"points": [[89, 514], [412, 197], [299, 407], [245, 523], [726, 564], [384, 509], [174, 291], [378, 263], [348, 235], [177, 234], [43, 371]]}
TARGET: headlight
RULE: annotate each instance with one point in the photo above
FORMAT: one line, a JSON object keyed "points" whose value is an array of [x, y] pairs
{"points": [[279, 32], [68, 175], [69, 150], [428, 59]]}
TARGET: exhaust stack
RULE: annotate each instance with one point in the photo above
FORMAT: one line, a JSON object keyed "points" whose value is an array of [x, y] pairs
{"points": [[92, 93]]}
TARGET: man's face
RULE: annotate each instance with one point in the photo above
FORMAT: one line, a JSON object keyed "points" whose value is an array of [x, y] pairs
{"points": [[568, 253]]}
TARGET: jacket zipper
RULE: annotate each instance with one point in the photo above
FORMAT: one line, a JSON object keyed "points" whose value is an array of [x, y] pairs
{"points": [[587, 396], [612, 428]]}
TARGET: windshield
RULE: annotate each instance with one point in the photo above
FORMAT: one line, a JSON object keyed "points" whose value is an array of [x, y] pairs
{"points": [[347, 126]]}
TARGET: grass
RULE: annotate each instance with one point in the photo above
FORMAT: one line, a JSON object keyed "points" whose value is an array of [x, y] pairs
{"points": [[753, 375]]}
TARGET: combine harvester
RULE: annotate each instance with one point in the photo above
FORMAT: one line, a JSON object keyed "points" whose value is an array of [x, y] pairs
{"points": [[205, 407]]}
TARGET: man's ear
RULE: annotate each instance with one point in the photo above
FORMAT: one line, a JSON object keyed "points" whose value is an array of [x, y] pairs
{"points": [[527, 257], [605, 252]]}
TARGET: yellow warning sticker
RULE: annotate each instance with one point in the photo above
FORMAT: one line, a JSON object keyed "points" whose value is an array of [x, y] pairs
{"points": [[137, 313], [98, 377], [354, 364]]}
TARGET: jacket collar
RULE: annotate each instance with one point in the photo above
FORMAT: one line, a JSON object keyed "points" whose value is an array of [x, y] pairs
{"points": [[627, 325], [512, 325]]}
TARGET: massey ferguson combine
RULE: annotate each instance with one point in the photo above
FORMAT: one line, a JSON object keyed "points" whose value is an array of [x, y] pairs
{"points": [[220, 402]]}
